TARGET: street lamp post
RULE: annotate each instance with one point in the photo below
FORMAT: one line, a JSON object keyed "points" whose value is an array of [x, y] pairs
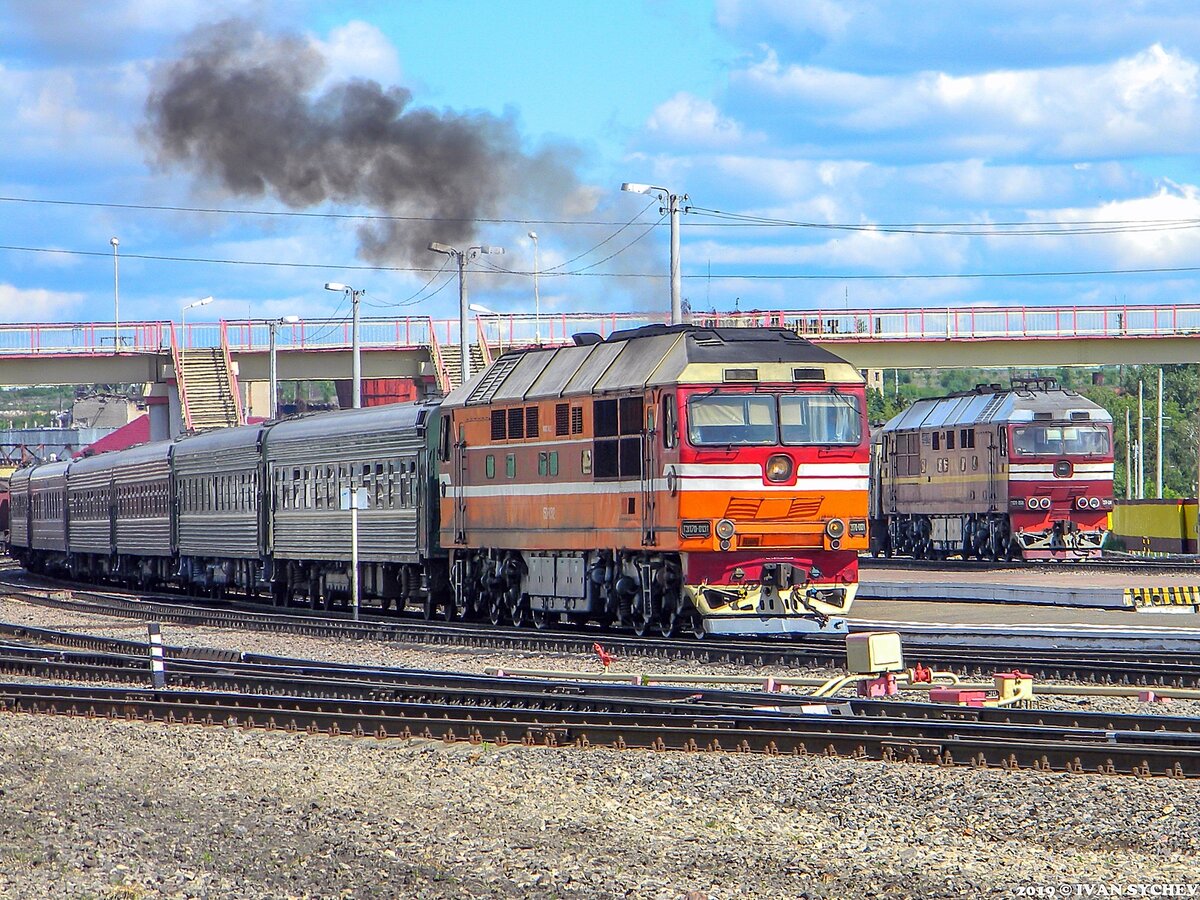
{"points": [[671, 202], [272, 326], [356, 370], [486, 311], [462, 257], [537, 303], [183, 338], [116, 299]]}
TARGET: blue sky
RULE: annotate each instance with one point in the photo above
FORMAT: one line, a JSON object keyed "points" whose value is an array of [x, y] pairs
{"points": [[957, 117]]}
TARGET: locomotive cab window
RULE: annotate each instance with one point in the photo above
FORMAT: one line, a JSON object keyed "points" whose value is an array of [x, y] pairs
{"points": [[725, 419], [1060, 440], [670, 424]]}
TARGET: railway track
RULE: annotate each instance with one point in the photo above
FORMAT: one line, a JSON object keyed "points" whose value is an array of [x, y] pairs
{"points": [[1174, 668], [307, 696], [1166, 565]]}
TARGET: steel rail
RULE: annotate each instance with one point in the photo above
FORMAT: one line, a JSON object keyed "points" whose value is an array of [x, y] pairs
{"points": [[310, 678], [1043, 749], [1166, 667]]}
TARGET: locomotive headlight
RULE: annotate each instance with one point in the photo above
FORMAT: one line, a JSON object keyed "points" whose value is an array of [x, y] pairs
{"points": [[1045, 503], [1031, 502], [1094, 503], [724, 529], [835, 528], [1082, 502], [779, 467]]}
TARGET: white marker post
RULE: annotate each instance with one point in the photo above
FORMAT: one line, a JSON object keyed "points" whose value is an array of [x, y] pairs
{"points": [[353, 499], [158, 672]]}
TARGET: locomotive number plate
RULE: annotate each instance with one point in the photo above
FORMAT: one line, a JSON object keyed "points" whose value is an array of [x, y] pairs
{"points": [[695, 528]]}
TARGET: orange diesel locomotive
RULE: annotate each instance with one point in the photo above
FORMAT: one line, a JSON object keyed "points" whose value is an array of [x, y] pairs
{"points": [[668, 478]]}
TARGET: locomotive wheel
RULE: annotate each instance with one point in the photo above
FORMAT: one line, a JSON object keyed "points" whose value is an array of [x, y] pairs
{"points": [[641, 626], [541, 619], [429, 608], [671, 622], [496, 612], [518, 611], [695, 624]]}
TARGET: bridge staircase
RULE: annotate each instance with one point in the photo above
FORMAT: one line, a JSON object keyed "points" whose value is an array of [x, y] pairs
{"points": [[450, 368], [208, 391]]}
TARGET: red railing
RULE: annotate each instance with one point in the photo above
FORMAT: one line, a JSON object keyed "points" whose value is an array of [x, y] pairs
{"points": [[180, 386], [520, 329]]}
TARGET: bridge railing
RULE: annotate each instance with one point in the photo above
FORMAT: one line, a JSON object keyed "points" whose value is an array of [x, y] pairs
{"points": [[502, 331]]}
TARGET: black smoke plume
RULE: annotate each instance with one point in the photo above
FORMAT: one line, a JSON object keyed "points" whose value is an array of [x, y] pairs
{"points": [[242, 109]]}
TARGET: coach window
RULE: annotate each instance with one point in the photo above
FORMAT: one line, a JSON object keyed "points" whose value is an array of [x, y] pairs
{"points": [[937, 440], [510, 465], [1003, 442], [444, 442], [489, 466], [553, 463], [949, 438]]}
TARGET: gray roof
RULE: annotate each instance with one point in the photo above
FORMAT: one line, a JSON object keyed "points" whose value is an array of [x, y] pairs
{"points": [[979, 407], [646, 357]]}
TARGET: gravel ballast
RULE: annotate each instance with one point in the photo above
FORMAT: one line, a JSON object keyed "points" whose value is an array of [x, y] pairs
{"points": [[132, 810]]}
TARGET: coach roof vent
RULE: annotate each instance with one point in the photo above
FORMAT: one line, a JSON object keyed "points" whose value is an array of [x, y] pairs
{"points": [[808, 374]]}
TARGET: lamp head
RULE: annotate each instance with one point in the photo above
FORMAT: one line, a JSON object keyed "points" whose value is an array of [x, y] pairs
{"points": [[335, 286], [288, 320], [533, 235], [114, 242], [441, 248], [495, 251], [480, 308], [637, 188]]}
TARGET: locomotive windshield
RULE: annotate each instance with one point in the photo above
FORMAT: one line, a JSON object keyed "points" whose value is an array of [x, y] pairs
{"points": [[763, 419], [1061, 440]]}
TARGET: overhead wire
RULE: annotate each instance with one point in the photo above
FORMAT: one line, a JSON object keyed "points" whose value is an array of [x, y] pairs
{"points": [[728, 219], [584, 273]]}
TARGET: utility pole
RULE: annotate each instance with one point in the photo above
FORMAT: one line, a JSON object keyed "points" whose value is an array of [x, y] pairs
{"points": [[1141, 469], [116, 299], [462, 257], [1129, 460], [355, 350], [671, 206], [1158, 454]]}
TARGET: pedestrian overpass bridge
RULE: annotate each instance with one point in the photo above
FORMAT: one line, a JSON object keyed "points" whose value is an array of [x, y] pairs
{"points": [[426, 349]]}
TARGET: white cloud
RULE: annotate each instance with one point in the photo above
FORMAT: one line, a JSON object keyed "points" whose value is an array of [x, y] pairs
{"points": [[359, 50], [17, 305], [694, 121], [1147, 102], [1132, 245]]}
